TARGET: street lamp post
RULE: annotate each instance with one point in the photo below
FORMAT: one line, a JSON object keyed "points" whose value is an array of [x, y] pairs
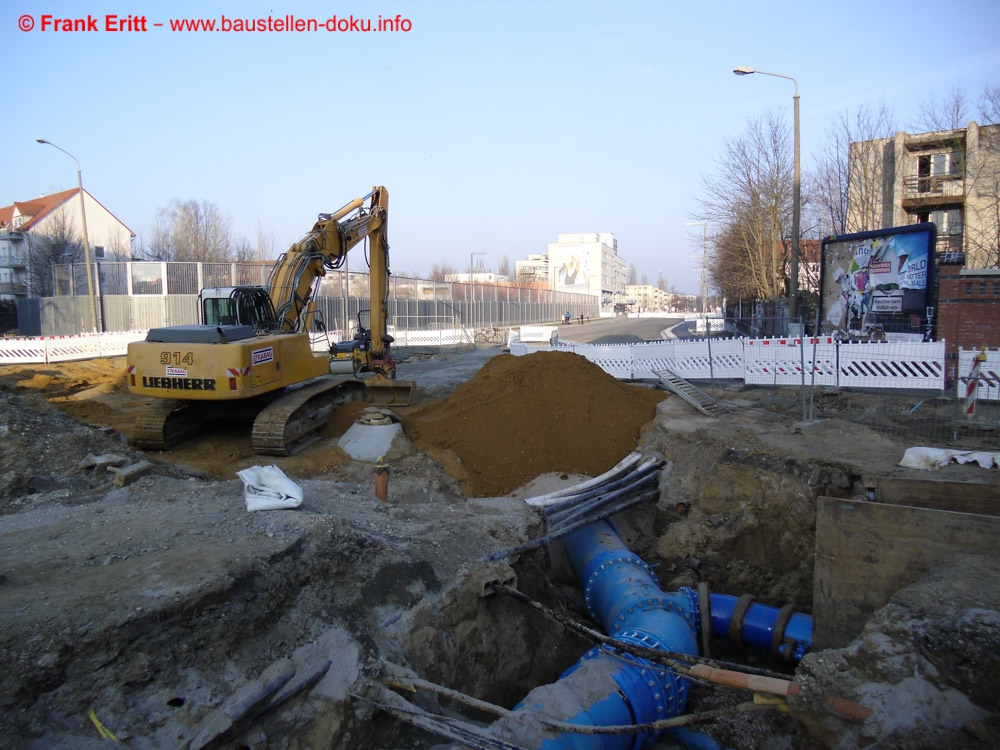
{"points": [[793, 286], [86, 240], [704, 269], [472, 283]]}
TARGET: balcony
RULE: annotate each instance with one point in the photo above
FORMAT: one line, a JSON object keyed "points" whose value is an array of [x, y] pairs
{"points": [[12, 260], [929, 185], [929, 191], [949, 242], [13, 287]]}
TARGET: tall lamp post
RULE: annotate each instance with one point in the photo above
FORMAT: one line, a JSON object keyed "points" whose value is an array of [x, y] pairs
{"points": [[704, 269], [472, 283], [86, 240], [793, 286]]}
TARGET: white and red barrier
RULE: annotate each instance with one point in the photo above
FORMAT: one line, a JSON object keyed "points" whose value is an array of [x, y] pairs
{"points": [[982, 381], [45, 349], [777, 361]]}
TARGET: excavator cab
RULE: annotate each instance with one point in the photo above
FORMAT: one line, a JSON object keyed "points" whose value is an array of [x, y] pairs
{"points": [[238, 305]]}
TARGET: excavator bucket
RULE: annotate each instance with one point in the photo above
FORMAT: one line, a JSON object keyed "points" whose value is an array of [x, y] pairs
{"points": [[383, 391]]}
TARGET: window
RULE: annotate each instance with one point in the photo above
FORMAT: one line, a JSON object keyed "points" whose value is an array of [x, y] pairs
{"points": [[948, 220], [933, 169]]}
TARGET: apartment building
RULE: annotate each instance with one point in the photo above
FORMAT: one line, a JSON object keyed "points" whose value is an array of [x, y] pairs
{"points": [[648, 298], [588, 263], [949, 177], [532, 270], [26, 227]]}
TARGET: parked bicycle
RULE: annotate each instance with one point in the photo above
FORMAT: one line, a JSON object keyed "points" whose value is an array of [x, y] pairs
{"points": [[491, 335]]}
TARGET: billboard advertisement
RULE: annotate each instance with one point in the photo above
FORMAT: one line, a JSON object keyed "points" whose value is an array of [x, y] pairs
{"points": [[878, 286]]}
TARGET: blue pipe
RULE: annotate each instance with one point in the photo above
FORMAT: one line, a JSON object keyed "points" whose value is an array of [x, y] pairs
{"points": [[759, 625], [607, 687]]}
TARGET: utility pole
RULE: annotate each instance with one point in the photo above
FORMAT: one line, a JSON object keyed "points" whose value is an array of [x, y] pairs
{"points": [[95, 321]]}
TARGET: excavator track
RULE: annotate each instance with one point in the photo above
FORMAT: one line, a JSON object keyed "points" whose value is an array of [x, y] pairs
{"points": [[292, 421], [164, 425]]}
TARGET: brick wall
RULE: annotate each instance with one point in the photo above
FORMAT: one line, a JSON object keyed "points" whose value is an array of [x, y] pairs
{"points": [[968, 311]]}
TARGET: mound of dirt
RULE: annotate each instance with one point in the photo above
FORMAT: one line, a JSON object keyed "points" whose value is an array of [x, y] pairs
{"points": [[521, 417]]}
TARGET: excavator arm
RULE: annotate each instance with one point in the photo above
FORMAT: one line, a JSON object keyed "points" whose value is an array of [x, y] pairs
{"points": [[296, 274]]}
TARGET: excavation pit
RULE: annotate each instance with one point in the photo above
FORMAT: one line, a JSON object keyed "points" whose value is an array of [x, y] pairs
{"points": [[171, 612]]}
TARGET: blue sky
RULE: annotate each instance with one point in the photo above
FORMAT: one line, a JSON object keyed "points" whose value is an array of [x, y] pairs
{"points": [[494, 125]]}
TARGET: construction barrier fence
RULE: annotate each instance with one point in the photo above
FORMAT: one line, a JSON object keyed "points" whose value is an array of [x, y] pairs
{"points": [[819, 361]]}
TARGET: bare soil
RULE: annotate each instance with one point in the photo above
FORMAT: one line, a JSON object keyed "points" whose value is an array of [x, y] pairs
{"points": [[152, 603]]}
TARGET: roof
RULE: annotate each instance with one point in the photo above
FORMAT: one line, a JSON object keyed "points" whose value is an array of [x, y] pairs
{"points": [[39, 208]]}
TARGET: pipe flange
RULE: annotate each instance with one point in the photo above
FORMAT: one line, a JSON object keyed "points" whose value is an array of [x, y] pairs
{"points": [[674, 686], [606, 565]]}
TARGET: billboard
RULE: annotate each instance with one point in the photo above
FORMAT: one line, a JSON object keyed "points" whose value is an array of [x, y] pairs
{"points": [[877, 286]]}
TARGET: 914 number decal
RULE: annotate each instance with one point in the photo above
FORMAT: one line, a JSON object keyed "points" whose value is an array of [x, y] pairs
{"points": [[176, 358]]}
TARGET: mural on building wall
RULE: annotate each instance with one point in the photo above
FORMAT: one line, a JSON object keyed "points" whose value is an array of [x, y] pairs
{"points": [[878, 285], [572, 274]]}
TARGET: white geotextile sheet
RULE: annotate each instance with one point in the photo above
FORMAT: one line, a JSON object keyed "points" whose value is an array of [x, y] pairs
{"points": [[935, 458], [267, 488]]}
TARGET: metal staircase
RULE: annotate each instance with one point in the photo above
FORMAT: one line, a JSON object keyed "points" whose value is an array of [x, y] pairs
{"points": [[694, 396]]}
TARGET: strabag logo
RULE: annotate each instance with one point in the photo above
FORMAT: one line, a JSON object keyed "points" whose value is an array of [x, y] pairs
{"points": [[260, 356], [177, 372]]}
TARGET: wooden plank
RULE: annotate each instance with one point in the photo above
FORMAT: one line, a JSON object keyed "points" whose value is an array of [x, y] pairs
{"points": [[866, 552], [961, 497]]}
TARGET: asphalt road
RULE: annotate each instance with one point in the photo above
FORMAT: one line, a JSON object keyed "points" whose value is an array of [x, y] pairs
{"points": [[650, 329]]}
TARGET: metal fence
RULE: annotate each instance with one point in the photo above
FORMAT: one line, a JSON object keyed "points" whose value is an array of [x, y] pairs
{"points": [[142, 295]]}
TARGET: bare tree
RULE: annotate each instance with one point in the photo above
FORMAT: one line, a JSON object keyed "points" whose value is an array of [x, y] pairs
{"points": [[989, 105], [440, 271], [195, 231], [59, 245], [950, 113], [749, 199], [847, 189], [119, 246], [504, 268], [632, 275], [267, 245]]}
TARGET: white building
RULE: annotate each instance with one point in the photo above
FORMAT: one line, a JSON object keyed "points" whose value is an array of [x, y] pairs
{"points": [[23, 222], [588, 264], [648, 298], [534, 269], [479, 277]]}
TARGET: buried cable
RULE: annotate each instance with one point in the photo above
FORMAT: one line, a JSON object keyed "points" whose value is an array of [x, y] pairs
{"points": [[606, 494], [585, 510], [553, 512], [567, 530], [552, 499]]}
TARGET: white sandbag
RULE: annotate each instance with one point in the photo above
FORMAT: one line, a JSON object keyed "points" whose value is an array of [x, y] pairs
{"points": [[267, 488]]}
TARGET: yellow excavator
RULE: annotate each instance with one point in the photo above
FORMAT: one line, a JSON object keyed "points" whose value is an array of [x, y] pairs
{"points": [[252, 357]]}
